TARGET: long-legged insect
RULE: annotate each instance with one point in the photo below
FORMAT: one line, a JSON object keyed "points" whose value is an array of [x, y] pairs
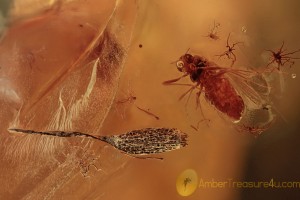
{"points": [[222, 87], [229, 52], [131, 99], [213, 34], [134, 143], [282, 58]]}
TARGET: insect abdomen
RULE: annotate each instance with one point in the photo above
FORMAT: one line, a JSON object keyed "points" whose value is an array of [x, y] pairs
{"points": [[223, 96]]}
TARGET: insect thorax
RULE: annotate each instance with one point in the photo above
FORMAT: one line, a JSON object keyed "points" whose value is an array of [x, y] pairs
{"points": [[192, 65], [196, 67], [195, 75]]}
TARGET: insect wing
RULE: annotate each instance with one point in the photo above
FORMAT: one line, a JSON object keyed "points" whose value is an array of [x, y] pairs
{"points": [[251, 85]]}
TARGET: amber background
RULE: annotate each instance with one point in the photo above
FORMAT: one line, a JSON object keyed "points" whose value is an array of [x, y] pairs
{"points": [[166, 29]]}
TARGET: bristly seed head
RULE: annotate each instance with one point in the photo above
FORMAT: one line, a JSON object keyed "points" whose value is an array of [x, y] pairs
{"points": [[136, 142], [150, 141]]}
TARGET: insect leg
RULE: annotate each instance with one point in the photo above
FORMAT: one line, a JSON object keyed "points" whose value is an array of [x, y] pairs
{"points": [[198, 104], [287, 60], [291, 53], [227, 41], [280, 50], [274, 59], [223, 54], [189, 91], [234, 59], [198, 96], [168, 82]]}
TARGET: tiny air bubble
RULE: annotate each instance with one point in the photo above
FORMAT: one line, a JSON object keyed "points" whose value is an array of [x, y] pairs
{"points": [[244, 29]]}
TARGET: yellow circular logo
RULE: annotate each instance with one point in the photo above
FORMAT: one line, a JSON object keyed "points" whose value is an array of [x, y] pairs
{"points": [[187, 182]]}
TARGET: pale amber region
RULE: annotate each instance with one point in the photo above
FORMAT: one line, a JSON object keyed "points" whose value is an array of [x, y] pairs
{"points": [[187, 182], [49, 82]]}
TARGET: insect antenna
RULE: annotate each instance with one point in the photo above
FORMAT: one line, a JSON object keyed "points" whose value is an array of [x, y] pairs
{"points": [[187, 50]]}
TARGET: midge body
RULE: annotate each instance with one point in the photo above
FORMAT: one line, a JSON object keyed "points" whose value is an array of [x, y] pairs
{"points": [[211, 80]]}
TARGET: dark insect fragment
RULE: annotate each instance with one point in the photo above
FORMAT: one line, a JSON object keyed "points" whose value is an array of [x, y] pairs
{"points": [[282, 58]]}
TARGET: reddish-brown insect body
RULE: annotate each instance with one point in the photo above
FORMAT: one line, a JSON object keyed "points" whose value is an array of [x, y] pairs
{"points": [[282, 58], [220, 92], [211, 79]]}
